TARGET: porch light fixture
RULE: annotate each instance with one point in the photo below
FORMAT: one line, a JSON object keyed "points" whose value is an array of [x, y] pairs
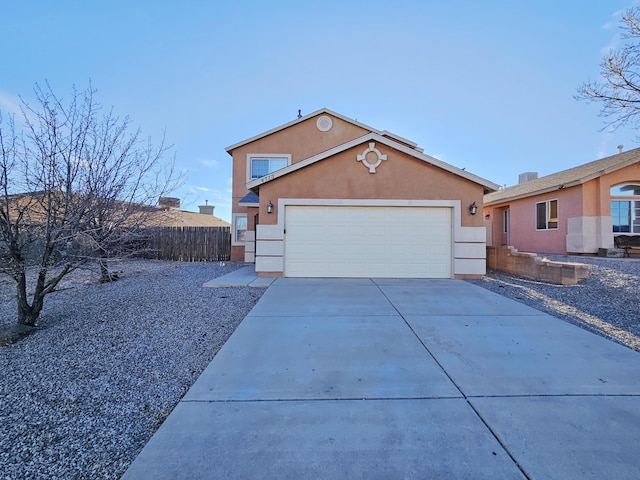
{"points": [[473, 208], [269, 207]]}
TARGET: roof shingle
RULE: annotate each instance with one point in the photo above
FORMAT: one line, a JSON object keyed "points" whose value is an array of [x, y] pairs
{"points": [[566, 178]]}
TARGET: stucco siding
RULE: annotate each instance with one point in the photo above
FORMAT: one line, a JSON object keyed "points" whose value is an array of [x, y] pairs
{"points": [[588, 234], [300, 141], [522, 218], [399, 177]]}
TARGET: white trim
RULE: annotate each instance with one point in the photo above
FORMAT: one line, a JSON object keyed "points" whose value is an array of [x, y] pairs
{"points": [[233, 229], [379, 157], [441, 266], [469, 250], [269, 232], [251, 156], [386, 133], [324, 123], [468, 244], [266, 248], [364, 140], [470, 234], [269, 264], [469, 266], [547, 211], [250, 240]]}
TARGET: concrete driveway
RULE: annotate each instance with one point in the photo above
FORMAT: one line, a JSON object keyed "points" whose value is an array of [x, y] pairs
{"points": [[403, 379]]}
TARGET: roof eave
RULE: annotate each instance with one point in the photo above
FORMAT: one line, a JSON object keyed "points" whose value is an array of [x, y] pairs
{"points": [[230, 148], [255, 184], [559, 185], [536, 193]]}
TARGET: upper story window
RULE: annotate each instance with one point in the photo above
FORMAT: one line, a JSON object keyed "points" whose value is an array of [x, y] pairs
{"points": [[625, 209], [259, 165], [547, 215]]}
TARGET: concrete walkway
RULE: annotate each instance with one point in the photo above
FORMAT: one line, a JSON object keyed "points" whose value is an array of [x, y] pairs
{"points": [[243, 277], [403, 379]]}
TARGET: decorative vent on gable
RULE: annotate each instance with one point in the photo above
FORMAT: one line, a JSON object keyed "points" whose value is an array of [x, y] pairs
{"points": [[371, 157], [324, 123]]}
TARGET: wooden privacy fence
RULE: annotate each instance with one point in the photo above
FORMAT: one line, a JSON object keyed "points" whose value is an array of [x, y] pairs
{"points": [[191, 244]]}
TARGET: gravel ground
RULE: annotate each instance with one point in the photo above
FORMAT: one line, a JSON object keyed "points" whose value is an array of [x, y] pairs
{"points": [[81, 396], [607, 303]]}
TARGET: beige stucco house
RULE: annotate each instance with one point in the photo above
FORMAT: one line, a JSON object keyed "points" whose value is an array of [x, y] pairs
{"points": [[578, 210], [327, 196]]}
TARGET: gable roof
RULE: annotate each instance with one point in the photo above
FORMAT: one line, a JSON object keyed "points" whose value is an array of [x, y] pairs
{"points": [[250, 200], [385, 133], [566, 178], [378, 138], [182, 218]]}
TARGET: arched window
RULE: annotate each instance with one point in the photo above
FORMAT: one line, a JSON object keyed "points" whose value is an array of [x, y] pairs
{"points": [[625, 208]]}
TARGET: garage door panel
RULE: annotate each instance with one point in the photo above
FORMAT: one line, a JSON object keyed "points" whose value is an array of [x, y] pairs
{"points": [[343, 241]]}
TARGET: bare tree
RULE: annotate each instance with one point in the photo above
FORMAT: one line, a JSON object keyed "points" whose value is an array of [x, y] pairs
{"points": [[619, 90], [76, 186]]}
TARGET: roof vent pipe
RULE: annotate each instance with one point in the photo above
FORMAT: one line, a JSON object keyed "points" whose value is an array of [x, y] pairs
{"points": [[620, 147]]}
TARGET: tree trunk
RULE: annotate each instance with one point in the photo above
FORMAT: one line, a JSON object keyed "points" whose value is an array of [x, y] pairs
{"points": [[27, 314], [105, 275]]}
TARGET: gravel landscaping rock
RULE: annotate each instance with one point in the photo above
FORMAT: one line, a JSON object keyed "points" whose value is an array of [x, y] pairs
{"points": [[81, 396], [607, 303]]}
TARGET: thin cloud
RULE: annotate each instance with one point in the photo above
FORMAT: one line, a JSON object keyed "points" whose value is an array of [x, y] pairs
{"points": [[612, 45], [605, 142], [209, 163], [212, 193], [9, 103], [615, 40]]}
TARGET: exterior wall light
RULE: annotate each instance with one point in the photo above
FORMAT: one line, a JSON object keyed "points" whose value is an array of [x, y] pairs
{"points": [[269, 207], [473, 208]]}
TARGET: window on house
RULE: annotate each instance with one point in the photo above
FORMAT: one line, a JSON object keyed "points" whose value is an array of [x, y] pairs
{"points": [[261, 165], [239, 229], [547, 215], [505, 221], [625, 211]]}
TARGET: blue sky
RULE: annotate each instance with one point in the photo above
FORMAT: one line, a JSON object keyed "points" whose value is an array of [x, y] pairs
{"points": [[483, 85]]}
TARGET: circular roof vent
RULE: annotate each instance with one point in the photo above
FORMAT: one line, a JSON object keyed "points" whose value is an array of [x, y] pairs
{"points": [[324, 123]]}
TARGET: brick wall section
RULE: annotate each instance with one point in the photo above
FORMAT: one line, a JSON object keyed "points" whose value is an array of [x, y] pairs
{"points": [[508, 259]]}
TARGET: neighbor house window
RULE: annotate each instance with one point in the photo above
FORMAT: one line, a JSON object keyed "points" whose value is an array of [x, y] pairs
{"points": [[505, 221], [260, 165], [625, 210], [547, 215], [239, 233]]}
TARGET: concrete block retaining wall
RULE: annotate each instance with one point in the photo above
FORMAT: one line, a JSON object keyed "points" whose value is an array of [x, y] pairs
{"points": [[508, 259]]}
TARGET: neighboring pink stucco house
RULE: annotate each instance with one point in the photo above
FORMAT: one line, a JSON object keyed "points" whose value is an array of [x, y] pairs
{"points": [[574, 211], [327, 196]]}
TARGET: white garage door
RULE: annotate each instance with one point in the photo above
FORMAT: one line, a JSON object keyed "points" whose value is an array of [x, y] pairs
{"points": [[400, 242]]}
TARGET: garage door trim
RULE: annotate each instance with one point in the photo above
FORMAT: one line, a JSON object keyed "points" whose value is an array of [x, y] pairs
{"points": [[368, 241]]}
